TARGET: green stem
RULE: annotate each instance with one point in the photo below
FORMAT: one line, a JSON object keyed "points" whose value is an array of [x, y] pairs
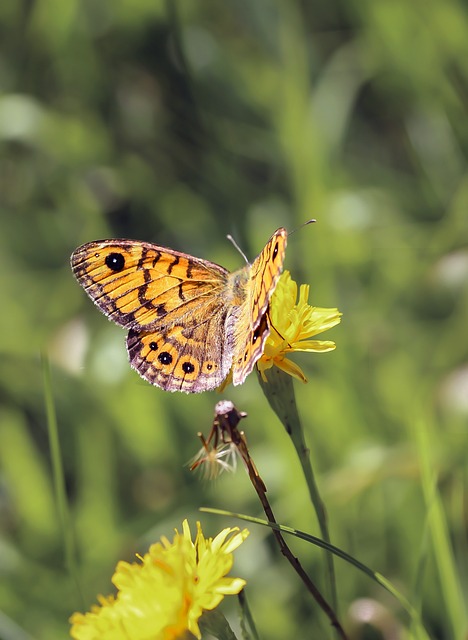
{"points": [[279, 391]]}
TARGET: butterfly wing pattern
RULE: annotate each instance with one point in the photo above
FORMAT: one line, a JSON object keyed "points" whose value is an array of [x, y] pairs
{"points": [[187, 318], [252, 327]]}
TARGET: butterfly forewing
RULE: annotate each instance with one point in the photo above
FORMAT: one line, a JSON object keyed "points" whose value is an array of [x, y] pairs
{"points": [[253, 327], [139, 285]]}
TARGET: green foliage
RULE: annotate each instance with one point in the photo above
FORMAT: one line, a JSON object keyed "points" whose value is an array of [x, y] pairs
{"points": [[180, 122]]}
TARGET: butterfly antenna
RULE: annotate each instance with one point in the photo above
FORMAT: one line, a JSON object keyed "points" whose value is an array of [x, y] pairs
{"points": [[302, 225], [231, 239]]}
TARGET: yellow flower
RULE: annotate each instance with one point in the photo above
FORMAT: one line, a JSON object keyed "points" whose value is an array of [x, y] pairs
{"points": [[163, 596], [292, 324]]}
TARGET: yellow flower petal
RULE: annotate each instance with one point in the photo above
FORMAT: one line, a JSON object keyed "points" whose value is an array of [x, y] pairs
{"points": [[319, 346], [286, 365]]}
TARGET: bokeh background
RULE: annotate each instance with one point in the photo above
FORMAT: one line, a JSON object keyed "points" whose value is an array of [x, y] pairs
{"points": [[180, 122]]}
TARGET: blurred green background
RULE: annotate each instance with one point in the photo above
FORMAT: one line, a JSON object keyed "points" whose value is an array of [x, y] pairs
{"points": [[180, 122]]}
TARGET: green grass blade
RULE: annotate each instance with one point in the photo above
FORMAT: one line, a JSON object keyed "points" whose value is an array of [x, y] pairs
{"points": [[59, 478], [418, 628], [439, 532]]}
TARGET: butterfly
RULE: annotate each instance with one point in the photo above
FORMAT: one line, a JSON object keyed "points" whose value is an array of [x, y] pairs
{"points": [[190, 320]]}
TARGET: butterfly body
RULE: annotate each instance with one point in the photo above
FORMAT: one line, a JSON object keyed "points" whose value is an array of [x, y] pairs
{"points": [[189, 320]]}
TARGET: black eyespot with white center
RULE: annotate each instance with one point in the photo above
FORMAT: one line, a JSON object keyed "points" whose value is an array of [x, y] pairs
{"points": [[115, 261], [256, 335], [165, 358], [188, 367], [153, 346], [275, 251]]}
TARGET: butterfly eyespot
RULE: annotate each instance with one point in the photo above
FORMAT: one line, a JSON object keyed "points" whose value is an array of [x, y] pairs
{"points": [[255, 335], [115, 261], [209, 367], [246, 355], [153, 346], [165, 357], [188, 367], [275, 251]]}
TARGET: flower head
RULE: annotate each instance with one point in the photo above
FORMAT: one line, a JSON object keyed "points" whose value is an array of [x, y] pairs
{"points": [[224, 443], [213, 459], [163, 596], [292, 325]]}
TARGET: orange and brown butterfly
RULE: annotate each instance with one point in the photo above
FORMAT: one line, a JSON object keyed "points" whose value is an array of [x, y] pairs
{"points": [[190, 320]]}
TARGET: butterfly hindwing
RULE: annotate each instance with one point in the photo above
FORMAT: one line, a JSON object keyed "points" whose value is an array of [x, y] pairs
{"points": [[187, 358]]}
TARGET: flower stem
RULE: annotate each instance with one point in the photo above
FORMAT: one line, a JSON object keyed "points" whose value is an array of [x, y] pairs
{"points": [[279, 391]]}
